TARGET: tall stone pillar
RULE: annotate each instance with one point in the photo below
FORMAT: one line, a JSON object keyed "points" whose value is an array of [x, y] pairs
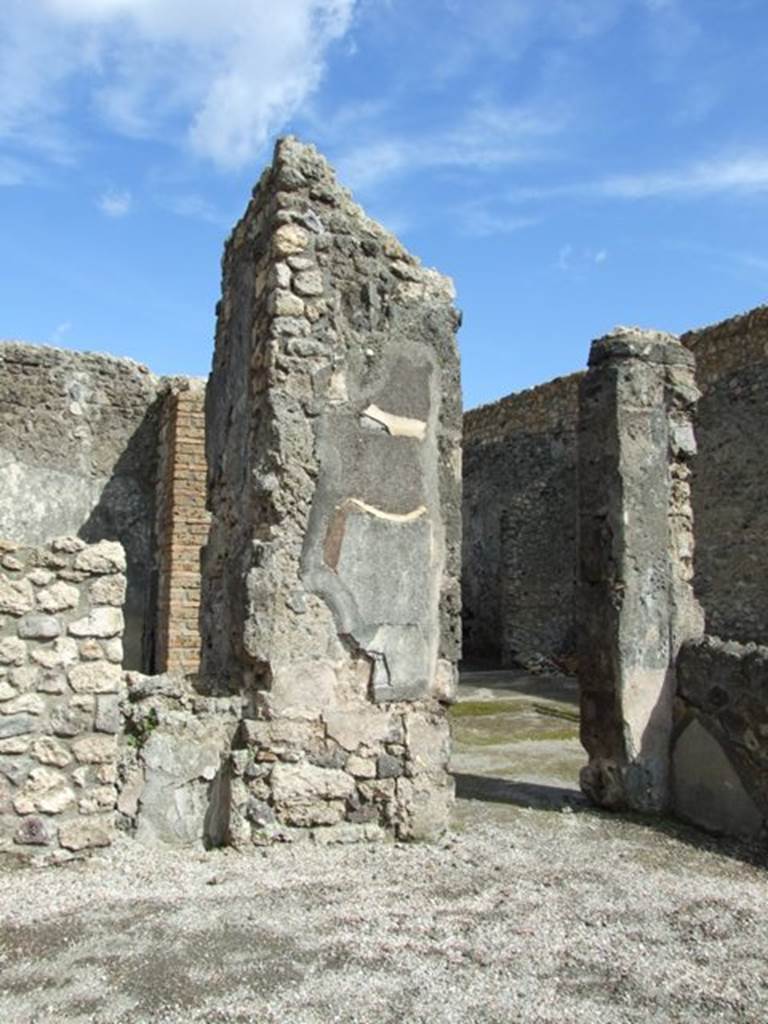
{"points": [[636, 560], [333, 419]]}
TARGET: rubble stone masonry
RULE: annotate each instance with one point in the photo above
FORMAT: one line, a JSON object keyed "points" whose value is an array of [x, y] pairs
{"points": [[331, 574], [730, 485], [61, 628], [78, 456], [519, 546]]}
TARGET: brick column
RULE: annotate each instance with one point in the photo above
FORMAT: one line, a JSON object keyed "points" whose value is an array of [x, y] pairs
{"points": [[182, 528], [636, 556]]}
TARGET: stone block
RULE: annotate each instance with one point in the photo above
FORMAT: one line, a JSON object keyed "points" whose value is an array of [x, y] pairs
{"points": [[61, 653], [48, 750], [707, 788], [86, 833], [102, 622], [16, 596], [33, 831], [45, 791], [106, 556], [109, 590], [38, 627], [107, 717], [17, 725], [95, 677], [94, 749], [58, 598], [12, 651]]}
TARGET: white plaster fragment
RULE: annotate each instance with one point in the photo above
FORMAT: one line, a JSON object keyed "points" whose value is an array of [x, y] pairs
{"points": [[397, 426]]}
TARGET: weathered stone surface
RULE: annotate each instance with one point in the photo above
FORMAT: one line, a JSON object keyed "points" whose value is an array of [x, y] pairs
{"points": [[102, 622], [520, 524], [46, 791], [304, 783], [68, 720], [107, 717], [86, 833], [345, 544], [32, 832], [95, 677], [94, 749], [47, 750], [25, 703], [637, 604], [179, 766], [16, 596], [728, 484], [58, 597], [25, 678], [12, 651], [16, 725], [63, 652], [109, 590], [38, 627], [104, 557], [707, 788], [359, 726]]}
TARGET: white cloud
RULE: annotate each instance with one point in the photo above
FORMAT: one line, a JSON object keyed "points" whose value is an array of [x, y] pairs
{"points": [[486, 137], [745, 174], [115, 204], [223, 75], [482, 219], [60, 332], [571, 259]]}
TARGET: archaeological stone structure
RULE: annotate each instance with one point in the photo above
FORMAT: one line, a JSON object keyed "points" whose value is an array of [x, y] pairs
{"points": [[331, 569], [231, 613], [519, 565], [293, 613], [61, 652], [636, 560]]}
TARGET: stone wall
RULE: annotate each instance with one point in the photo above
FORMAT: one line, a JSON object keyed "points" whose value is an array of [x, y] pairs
{"points": [[61, 626], [182, 527], [331, 573], [636, 560], [730, 486], [519, 545], [78, 450], [720, 751]]}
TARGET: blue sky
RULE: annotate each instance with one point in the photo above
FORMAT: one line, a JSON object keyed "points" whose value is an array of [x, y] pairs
{"points": [[572, 164]]}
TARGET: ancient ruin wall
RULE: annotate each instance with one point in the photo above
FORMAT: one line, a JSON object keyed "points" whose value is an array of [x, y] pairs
{"points": [[60, 679], [720, 741], [78, 450], [519, 515], [182, 527], [331, 583], [636, 560], [730, 487]]}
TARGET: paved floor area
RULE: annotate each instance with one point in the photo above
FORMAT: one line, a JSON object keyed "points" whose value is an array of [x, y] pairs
{"points": [[515, 744]]}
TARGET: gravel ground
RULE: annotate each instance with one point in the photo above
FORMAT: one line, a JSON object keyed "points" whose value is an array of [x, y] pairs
{"points": [[541, 916]]}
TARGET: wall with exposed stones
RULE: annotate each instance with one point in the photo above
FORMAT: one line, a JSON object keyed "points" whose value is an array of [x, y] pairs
{"points": [[61, 627], [730, 487], [520, 524], [720, 751], [636, 598], [78, 451], [331, 573]]}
